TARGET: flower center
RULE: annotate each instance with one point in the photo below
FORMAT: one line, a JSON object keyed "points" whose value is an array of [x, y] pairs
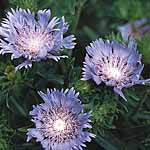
{"points": [[30, 40], [59, 125], [113, 68], [34, 45], [114, 73]]}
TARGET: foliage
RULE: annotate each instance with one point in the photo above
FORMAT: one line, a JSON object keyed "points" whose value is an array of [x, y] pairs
{"points": [[144, 47], [5, 132], [30, 4]]}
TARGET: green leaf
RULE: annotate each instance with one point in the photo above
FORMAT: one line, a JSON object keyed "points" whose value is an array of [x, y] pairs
{"points": [[143, 115], [105, 143], [18, 107]]}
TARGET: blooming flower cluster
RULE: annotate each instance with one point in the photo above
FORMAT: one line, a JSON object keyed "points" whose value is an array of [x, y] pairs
{"points": [[115, 64], [60, 121], [34, 39]]}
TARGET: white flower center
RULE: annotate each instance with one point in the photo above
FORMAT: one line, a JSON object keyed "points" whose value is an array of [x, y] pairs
{"points": [[114, 73], [30, 40], [34, 45], [59, 125], [113, 68]]}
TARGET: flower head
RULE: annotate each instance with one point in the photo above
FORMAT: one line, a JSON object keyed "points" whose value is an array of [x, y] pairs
{"points": [[34, 39], [60, 121], [136, 29], [114, 64]]}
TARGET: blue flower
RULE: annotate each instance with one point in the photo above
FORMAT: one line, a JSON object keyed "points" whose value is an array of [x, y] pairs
{"points": [[34, 39], [115, 64], [60, 121], [135, 29]]}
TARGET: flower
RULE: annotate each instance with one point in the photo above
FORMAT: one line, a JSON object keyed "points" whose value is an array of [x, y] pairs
{"points": [[115, 64], [136, 29], [34, 39], [60, 121]]}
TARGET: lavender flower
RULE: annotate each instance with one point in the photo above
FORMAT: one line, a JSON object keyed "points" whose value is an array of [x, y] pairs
{"points": [[60, 121], [135, 29], [114, 64], [34, 39]]}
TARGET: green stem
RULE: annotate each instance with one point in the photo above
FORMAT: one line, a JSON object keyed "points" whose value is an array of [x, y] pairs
{"points": [[137, 109], [79, 10]]}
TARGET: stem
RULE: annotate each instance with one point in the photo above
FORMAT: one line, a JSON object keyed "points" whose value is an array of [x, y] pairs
{"points": [[137, 109], [79, 10]]}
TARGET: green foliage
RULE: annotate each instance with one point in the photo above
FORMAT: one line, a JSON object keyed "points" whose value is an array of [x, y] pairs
{"points": [[67, 6], [113, 37], [127, 9], [26, 4], [104, 114], [144, 48], [5, 132]]}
